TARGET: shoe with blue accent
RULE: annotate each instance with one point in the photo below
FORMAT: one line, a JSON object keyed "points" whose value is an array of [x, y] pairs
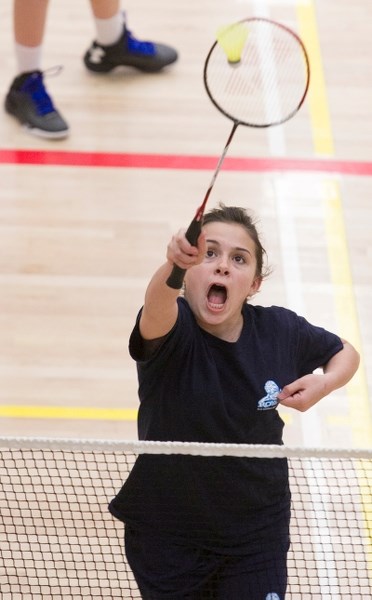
{"points": [[129, 52], [29, 102]]}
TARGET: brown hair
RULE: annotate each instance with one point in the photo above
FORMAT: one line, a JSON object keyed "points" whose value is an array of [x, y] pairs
{"points": [[235, 214]]}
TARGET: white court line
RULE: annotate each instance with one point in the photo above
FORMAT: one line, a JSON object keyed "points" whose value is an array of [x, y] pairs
{"points": [[310, 423], [295, 299], [322, 543]]}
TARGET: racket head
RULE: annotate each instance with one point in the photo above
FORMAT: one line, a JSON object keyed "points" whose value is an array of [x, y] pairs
{"points": [[268, 78]]}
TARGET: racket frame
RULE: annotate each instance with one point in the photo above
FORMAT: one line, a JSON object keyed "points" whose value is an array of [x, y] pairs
{"points": [[175, 279], [307, 82]]}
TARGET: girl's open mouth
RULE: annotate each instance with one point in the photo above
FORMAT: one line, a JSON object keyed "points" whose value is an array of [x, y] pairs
{"points": [[217, 296]]}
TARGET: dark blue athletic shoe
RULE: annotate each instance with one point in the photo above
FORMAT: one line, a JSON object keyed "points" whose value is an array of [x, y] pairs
{"points": [[129, 52], [29, 102]]}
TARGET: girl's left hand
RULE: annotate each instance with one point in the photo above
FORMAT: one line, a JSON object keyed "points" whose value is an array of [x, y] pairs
{"points": [[303, 393]]}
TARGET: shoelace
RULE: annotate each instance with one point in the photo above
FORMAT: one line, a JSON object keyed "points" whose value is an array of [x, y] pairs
{"points": [[139, 47], [34, 86]]}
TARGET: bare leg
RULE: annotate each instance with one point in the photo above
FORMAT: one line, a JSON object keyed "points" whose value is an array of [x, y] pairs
{"points": [[105, 9], [108, 20], [26, 12]]}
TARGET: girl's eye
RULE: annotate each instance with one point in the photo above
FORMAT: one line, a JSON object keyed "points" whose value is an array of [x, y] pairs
{"points": [[239, 259], [210, 253]]}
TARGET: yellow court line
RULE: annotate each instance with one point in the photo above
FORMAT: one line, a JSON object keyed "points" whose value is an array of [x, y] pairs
{"points": [[339, 261], [68, 412], [357, 389], [317, 95], [286, 417], [74, 412]]}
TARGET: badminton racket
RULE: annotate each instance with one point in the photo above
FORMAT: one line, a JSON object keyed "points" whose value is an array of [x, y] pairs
{"points": [[256, 74]]}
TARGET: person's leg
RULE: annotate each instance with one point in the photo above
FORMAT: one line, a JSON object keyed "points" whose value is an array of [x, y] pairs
{"points": [[109, 21], [115, 46], [104, 9], [29, 40], [27, 99], [260, 576], [167, 570]]}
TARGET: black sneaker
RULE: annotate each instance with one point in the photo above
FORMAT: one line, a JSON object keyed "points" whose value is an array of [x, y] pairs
{"points": [[30, 103], [129, 52]]}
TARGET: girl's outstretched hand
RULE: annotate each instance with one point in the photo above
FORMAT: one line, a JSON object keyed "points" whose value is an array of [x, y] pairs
{"points": [[181, 253]]}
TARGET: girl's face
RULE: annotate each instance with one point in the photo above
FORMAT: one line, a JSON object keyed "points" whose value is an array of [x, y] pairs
{"points": [[217, 288]]}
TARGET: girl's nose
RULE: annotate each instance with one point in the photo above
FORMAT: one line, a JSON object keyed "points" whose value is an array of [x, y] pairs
{"points": [[222, 268]]}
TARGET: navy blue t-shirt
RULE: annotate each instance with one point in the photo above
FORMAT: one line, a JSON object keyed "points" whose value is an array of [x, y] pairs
{"points": [[196, 387]]}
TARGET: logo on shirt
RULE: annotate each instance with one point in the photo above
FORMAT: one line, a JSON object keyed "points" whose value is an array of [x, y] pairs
{"points": [[271, 399]]}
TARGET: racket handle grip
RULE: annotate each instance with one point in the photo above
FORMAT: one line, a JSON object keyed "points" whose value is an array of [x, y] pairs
{"points": [[175, 279]]}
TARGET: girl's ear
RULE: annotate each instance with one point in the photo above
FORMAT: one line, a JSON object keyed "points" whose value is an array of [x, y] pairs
{"points": [[255, 286]]}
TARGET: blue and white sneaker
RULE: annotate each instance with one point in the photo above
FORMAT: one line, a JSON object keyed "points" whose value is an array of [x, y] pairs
{"points": [[129, 52], [29, 102]]}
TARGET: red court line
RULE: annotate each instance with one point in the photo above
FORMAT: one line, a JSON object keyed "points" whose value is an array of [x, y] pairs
{"points": [[181, 162]]}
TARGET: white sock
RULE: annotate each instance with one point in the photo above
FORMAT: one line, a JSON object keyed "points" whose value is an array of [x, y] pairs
{"points": [[28, 58], [109, 30]]}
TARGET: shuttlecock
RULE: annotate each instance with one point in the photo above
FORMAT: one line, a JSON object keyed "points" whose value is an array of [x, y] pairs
{"points": [[232, 39]]}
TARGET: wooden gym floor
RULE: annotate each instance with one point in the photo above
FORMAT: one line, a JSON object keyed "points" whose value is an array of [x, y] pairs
{"points": [[84, 222]]}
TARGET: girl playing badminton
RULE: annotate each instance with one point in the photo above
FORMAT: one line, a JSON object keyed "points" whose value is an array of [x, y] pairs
{"points": [[213, 368]]}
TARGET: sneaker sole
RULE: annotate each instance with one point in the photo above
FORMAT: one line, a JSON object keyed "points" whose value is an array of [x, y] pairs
{"points": [[12, 109], [48, 135], [108, 67]]}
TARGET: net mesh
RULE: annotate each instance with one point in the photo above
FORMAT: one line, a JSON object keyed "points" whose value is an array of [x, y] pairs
{"points": [[58, 540]]}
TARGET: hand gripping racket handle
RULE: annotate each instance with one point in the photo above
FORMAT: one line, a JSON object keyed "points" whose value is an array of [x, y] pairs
{"points": [[175, 279]]}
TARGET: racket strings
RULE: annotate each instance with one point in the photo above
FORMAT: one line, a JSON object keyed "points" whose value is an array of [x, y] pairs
{"points": [[269, 82]]}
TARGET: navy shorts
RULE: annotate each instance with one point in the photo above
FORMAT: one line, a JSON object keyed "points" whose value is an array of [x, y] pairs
{"points": [[165, 569]]}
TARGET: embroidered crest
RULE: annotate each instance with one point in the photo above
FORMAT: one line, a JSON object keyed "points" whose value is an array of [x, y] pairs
{"points": [[271, 399]]}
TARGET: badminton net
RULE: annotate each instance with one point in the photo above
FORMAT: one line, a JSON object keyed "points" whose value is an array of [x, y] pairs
{"points": [[58, 540]]}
